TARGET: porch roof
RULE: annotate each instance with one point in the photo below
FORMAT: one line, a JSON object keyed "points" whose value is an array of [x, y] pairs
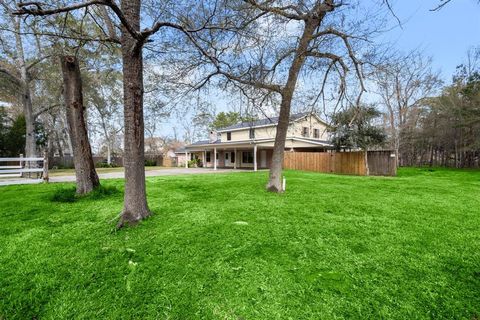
{"points": [[206, 145]]}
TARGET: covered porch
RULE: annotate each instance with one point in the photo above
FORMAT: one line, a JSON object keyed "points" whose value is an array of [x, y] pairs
{"points": [[251, 154], [242, 157]]}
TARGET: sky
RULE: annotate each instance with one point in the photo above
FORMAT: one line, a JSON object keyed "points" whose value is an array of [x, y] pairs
{"points": [[445, 35]]}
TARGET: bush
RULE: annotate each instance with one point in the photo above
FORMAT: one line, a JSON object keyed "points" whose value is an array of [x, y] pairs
{"points": [[193, 163], [104, 164], [150, 163]]}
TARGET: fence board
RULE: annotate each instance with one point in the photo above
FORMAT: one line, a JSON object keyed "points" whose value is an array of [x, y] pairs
{"points": [[353, 163]]}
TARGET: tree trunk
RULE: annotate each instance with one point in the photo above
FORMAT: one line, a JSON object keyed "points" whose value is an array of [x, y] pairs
{"points": [[367, 168], [135, 200], [30, 142], [275, 176], [86, 176]]}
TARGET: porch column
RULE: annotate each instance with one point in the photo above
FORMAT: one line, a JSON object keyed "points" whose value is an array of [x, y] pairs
{"points": [[235, 162], [186, 159], [214, 158], [254, 157], [204, 154]]}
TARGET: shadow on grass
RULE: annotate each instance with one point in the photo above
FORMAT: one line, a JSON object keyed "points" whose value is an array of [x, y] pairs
{"points": [[69, 195]]}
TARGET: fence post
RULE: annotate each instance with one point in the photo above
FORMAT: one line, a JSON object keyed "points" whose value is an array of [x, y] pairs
{"points": [[21, 164], [45, 167]]}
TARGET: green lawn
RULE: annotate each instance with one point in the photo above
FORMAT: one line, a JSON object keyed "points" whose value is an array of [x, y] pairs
{"points": [[220, 247]]}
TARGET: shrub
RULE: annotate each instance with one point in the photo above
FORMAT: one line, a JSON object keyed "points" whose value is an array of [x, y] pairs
{"points": [[150, 163], [103, 164], [193, 163]]}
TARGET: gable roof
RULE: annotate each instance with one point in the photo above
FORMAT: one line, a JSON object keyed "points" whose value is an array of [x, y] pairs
{"points": [[266, 122]]}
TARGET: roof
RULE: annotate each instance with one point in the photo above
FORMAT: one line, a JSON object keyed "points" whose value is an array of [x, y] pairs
{"points": [[218, 143], [263, 122], [201, 142]]}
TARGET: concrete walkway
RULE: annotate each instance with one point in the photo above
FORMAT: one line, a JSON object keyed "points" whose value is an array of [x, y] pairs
{"points": [[120, 175]]}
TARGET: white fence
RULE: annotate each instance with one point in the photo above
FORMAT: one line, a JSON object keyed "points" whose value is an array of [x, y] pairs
{"points": [[24, 168]]}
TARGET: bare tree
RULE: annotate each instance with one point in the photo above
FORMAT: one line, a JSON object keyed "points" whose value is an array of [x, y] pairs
{"points": [[19, 73], [86, 176], [402, 83], [268, 49], [132, 40]]}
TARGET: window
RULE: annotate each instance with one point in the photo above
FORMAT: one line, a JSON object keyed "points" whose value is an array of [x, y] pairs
{"points": [[226, 155], [252, 133], [316, 133], [216, 156], [247, 157], [207, 156], [305, 132], [229, 136]]}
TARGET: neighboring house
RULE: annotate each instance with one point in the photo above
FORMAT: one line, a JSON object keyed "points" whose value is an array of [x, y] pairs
{"points": [[180, 157], [250, 144]]}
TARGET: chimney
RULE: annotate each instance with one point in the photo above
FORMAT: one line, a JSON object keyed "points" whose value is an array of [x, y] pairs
{"points": [[213, 136]]}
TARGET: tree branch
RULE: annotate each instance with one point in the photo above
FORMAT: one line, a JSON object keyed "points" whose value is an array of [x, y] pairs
{"points": [[35, 8]]}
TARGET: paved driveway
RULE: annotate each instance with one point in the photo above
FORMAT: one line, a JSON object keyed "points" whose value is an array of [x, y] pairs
{"points": [[119, 175], [149, 173]]}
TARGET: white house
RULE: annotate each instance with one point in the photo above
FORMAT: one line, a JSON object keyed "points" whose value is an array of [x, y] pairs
{"points": [[250, 144]]}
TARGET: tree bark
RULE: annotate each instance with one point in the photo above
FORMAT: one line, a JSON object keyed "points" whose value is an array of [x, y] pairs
{"points": [[367, 167], [275, 176], [135, 199], [30, 142], [86, 176]]}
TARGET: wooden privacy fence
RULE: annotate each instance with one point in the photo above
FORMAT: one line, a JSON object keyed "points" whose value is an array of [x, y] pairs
{"points": [[24, 167], [380, 162]]}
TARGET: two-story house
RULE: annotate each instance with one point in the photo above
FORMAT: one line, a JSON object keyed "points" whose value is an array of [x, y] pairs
{"points": [[250, 144]]}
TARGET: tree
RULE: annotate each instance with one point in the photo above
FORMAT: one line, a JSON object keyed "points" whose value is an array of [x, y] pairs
{"points": [[86, 176], [132, 41], [14, 137], [442, 4], [18, 71], [225, 119], [355, 128], [402, 83], [264, 47]]}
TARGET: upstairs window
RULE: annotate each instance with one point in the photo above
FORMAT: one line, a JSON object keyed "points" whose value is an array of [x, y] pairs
{"points": [[316, 133], [305, 132], [252, 133], [229, 136]]}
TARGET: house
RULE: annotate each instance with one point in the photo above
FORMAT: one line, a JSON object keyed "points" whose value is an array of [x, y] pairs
{"points": [[250, 144]]}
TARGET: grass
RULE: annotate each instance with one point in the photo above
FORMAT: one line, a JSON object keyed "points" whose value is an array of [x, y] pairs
{"points": [[70, 172], [220, 247]]}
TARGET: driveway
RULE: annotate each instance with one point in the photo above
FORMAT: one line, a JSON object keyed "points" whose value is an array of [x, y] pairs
{"points": [[150, 173], [120, 175]]}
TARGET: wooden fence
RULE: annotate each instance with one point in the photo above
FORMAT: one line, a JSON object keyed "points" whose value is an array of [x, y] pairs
{"points": [[380, 162]]}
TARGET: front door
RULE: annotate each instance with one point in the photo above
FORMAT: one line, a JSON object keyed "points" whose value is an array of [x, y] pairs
{"points": [[227, 158], [263, 158]]}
